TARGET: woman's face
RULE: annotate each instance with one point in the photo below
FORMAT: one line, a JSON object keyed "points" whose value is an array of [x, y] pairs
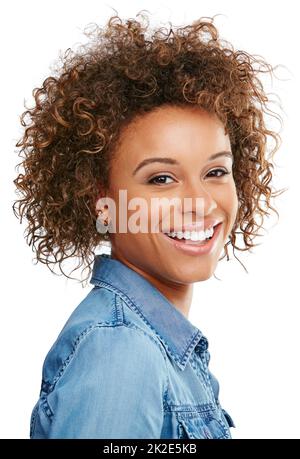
{"points": [[188, 138]]}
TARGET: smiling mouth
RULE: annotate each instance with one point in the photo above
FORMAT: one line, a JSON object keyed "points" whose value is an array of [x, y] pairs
{"points": [[193, 237]]}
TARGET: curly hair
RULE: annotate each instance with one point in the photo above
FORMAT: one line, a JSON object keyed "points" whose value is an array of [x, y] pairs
{"points": [[127, 69]]}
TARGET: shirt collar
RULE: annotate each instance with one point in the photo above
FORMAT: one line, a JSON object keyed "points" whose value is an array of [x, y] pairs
{"points": [[178, 334]]}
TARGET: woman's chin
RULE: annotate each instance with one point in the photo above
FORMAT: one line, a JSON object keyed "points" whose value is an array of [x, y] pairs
{"points": [[190, 274]]}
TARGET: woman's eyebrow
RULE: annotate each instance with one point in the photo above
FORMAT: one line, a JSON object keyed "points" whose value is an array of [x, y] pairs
{"points": [[173, 161]]}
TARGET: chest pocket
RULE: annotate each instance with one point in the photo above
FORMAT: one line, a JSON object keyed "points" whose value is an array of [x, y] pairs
{"points": [[208, 423]]}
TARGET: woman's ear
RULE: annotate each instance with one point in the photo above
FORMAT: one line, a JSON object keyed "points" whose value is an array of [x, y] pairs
{"points": [[99, 204]]}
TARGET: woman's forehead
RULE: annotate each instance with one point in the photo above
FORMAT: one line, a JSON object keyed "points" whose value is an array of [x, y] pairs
{"points": [[172, 131]]}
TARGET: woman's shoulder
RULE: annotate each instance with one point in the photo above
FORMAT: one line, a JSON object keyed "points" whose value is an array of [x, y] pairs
{"points": [[101, 321]]}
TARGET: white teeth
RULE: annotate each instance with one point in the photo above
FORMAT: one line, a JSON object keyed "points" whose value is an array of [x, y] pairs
{"points": [[187, 235], [193, 235], [209, 232]]}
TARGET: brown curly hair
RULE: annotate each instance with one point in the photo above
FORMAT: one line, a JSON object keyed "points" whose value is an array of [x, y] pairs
{"points": [[125, 70]]}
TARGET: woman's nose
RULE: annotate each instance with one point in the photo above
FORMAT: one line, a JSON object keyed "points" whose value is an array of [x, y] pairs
{"points": [[196, 198]]}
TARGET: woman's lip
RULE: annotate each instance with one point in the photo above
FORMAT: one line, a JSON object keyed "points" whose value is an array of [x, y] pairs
{"points": [[196, 248]]}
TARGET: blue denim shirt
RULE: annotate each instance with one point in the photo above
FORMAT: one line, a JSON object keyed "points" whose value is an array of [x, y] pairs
{"points": [[128, 364]]}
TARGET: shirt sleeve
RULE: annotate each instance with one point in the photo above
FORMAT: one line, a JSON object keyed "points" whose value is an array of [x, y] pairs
{"points": [[113, 387]]}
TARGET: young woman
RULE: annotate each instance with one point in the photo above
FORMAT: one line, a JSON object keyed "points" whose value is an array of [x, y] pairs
{"points": [[155, 143]]}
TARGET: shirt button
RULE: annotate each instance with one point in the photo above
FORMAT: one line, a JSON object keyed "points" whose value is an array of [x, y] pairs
{"points": [[203, 344]]}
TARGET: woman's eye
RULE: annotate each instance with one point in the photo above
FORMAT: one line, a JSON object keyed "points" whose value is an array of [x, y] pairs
{"points": [[217, 171], [159, 179]]}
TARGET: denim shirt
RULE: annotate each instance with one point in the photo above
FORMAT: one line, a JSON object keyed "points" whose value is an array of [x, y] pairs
{"points": [[128, 364]]}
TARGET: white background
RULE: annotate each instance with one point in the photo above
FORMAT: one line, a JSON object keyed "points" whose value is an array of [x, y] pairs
{"points": [[251, 320]]}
